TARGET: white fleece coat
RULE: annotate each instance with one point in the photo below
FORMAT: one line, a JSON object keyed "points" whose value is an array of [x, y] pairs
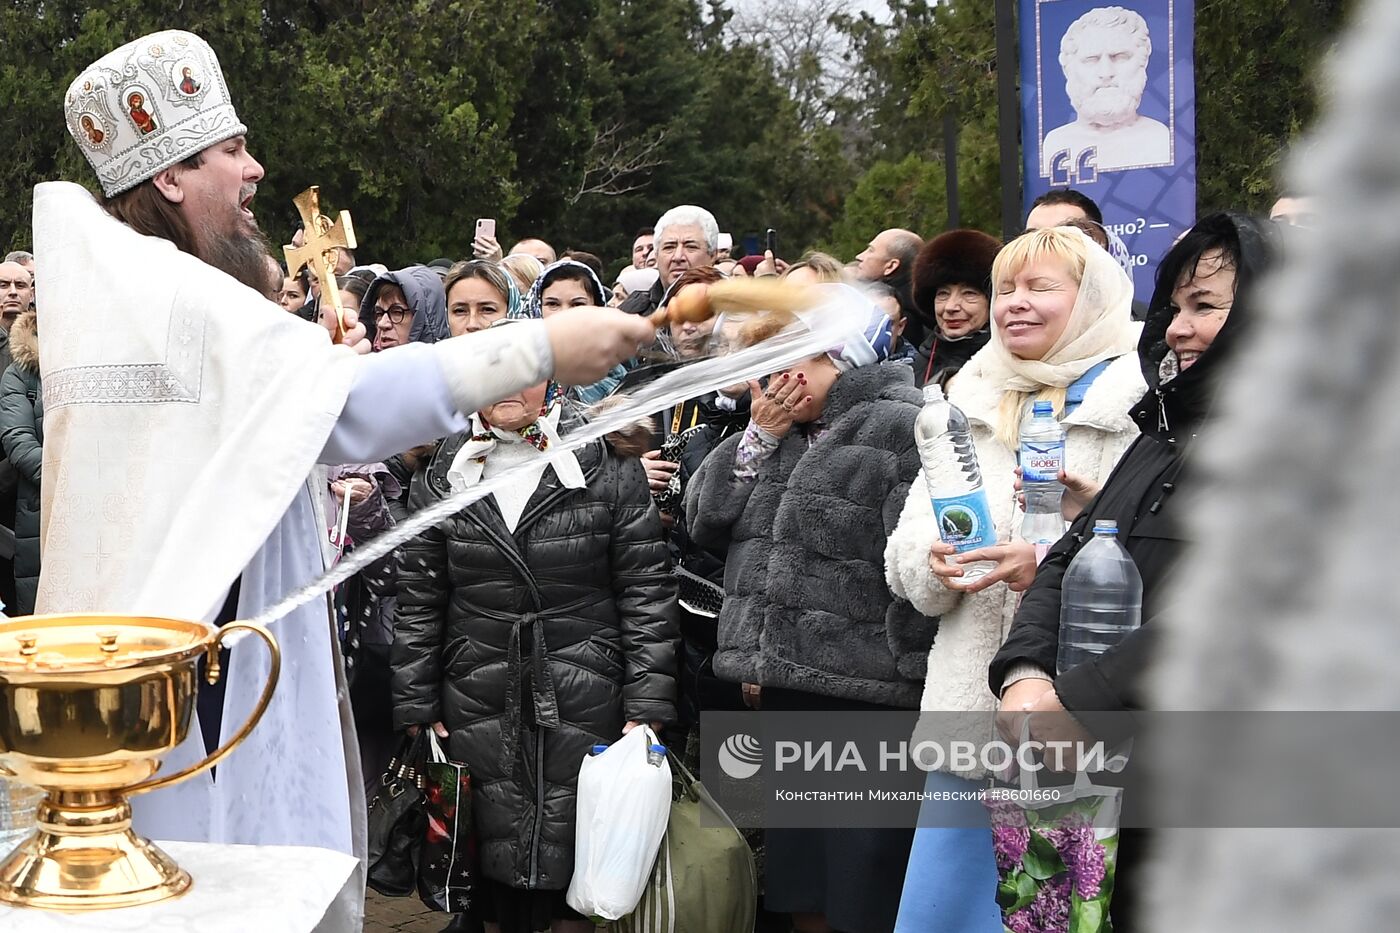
{"points": [[971, 627]]}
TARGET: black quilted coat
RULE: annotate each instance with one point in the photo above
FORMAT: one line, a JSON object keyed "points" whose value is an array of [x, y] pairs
{"points": [[534, 646]]}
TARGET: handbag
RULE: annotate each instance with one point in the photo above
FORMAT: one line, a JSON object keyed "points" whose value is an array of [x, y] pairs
{"points": [[704, 880], [1056, 858], [446, 865], [397, 822]]}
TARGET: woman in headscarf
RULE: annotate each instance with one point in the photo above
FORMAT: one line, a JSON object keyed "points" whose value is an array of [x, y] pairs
{"points": [[1062, 332], [805, 498], [569, 283], [534, 624], [1199, 310], [479, 293]]}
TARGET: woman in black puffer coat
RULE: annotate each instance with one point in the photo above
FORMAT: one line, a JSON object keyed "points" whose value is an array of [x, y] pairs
{"points": [[534, 624]]}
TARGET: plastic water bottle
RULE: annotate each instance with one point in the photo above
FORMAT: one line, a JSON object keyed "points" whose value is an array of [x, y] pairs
{"points": [[954, 479], [656, 754], [1100, 600], [1042, 457]]}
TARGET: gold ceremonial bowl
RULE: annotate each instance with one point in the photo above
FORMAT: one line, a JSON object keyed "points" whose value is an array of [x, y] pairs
{"points": [[89, 704]]}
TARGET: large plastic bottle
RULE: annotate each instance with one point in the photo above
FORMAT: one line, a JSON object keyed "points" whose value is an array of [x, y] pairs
{"points": [[954, 479], [1042, 456], [1100, 598]]}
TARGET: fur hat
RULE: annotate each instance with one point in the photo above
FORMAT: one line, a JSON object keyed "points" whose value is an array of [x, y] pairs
{"points": [[958, 257], [138, 110]]}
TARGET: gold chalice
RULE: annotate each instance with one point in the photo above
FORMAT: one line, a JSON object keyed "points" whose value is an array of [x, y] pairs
{"points": [[89, 704]]}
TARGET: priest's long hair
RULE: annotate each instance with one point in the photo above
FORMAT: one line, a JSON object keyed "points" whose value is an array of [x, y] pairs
{"points": [[148, 212]]}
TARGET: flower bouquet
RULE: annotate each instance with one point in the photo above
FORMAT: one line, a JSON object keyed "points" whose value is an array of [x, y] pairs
{"points": [[1055, 863]]}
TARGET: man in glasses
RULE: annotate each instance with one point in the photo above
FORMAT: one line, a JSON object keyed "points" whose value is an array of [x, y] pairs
{"points": [[406, 306]]}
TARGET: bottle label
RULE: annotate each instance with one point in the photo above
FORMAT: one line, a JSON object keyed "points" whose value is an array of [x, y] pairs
{"points": [[965, 521], [1041, 461]]}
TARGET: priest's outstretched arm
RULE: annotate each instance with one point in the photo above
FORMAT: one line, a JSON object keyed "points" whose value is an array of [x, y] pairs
{"points": [[415, 394]]}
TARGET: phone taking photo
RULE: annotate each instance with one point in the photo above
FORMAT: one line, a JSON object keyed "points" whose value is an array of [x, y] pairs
{"points": [[486, 226], [770, 242]]}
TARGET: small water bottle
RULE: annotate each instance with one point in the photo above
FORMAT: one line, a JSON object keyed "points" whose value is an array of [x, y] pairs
{"points": [[1100, 599], [1042, 456], [954, 479], [656, 754]]}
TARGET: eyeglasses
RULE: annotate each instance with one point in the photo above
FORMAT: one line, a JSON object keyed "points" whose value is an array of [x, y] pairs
{"points": [[395, 313]]}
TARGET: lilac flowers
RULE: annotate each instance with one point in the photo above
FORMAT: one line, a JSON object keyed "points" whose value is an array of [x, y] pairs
{"points": [[1052, 868]]}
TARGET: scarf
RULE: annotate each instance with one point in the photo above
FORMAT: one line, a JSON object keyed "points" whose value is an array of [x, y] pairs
{"points": [[1100, 327], [531, 308], [542, 434]]}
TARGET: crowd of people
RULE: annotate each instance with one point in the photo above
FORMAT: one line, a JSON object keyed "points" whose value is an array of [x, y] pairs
{"points": [[769, 546]]}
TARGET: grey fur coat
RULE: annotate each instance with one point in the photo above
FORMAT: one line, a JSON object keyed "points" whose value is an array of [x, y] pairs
{"points": [[806, 604]]}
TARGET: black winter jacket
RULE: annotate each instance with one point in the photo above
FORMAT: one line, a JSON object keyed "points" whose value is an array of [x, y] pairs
{"points": [[806, 605], [948, 356], [534, 646], [22, 436], [1143, 495]]}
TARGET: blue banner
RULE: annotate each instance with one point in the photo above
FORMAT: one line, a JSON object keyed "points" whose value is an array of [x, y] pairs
{"points": [[1108, 107]]}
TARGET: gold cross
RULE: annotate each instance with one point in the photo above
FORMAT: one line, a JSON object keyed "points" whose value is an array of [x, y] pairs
{"points": [[320, 248]]}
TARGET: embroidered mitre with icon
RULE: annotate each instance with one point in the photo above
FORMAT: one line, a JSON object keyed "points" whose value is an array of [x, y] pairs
{"points": [[147, 105]]}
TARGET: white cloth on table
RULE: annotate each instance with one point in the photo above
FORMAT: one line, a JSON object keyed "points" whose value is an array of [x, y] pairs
{"points": [[270, 889]]}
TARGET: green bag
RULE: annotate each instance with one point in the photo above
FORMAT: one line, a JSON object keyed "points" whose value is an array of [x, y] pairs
{"points": [[704, 879]]}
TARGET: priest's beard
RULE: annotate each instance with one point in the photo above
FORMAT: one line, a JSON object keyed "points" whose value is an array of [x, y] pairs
{"points": [[240, 250], [1110, 106]]}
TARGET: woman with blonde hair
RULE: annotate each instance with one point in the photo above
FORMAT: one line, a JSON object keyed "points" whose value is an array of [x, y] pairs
{"points": [[1062, 332], [815, 267], [524, 269]]}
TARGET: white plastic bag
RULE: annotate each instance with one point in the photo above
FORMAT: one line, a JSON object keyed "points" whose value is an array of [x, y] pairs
{"points": [[623, 805]]}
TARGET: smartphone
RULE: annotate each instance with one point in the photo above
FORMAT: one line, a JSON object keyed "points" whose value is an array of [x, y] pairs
{"points": [[486, 226], [770, 242], [726, 242]]}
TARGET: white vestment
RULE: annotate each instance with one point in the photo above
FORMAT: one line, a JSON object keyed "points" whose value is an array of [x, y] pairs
{"points": [[184, 418]]}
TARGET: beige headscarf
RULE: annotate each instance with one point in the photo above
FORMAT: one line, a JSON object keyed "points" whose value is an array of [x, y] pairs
{"points": [[1100, 327]]}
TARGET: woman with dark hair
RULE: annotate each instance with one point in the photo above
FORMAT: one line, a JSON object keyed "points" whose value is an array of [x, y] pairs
{"points": [[295, 288], [569, 283], [953, 292], [1198, 312]]}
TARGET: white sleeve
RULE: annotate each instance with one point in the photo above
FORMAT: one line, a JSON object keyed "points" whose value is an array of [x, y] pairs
{"points": [[418, 393], [485, 367]]}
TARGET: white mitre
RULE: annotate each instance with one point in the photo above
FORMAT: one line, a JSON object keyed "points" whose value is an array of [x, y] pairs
{"points": [[138, 110]]}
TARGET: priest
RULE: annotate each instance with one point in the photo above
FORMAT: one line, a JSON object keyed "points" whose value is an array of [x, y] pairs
{"points": [[186, 415]]}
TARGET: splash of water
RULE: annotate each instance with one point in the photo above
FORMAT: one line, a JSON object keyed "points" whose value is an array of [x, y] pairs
{"points": [[827, 325]]}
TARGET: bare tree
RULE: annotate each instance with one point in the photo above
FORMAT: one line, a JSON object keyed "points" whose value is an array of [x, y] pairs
{"points": [[811, 54], [619, 164]]}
